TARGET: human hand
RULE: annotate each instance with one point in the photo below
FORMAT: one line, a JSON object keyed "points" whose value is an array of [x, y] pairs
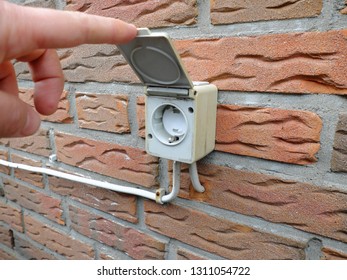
{"points": [[31, 35]]}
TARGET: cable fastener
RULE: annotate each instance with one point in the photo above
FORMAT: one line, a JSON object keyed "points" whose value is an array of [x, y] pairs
{"points": [[159, 193]]}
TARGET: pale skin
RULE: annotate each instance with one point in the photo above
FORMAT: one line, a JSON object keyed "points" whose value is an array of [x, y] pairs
{"points": [[32, 35]]}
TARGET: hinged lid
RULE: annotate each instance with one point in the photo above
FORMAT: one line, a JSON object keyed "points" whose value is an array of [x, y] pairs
{"points": [[155, 60]]}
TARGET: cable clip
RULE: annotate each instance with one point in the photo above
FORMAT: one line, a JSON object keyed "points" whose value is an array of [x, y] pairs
{"points": [[159, 193]]}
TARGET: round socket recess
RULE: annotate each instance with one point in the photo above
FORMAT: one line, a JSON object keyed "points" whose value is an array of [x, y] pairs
{"points": [[169, 124]]}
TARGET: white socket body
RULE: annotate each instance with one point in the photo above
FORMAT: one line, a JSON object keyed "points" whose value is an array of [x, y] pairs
{"points": [[182, 129]]}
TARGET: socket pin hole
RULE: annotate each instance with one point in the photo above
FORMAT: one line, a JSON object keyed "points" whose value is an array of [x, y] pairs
{"points": [[190, 110], [150, 136]]}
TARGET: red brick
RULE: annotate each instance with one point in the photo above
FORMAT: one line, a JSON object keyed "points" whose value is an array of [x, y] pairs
{"points": [[330, 254], [33, 178], [304, 206], [290, 136], [150, 13], [4, 142], [4, 156], [184, 254], [7, 256], [312, 62], [34, 200], [344, 11], [36, 144], [339, 156], [119, 205], [6, 236], [122, 162], [103, 112], [275, 134], [11, 216], [232, 11], [57, 241], [134, 243], [30, 252], [107, 255], [62, 115], [140, 115], [219, 236]]}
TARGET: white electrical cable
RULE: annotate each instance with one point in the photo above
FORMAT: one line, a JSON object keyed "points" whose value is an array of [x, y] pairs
{"points": [[105, 185], [194, 176], [175, 183]]}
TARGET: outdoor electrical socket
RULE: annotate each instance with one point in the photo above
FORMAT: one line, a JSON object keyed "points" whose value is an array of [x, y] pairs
{"points": [[180, 114]]}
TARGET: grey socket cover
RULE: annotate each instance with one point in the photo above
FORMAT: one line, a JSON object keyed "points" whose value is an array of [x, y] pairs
{"points": [[155, 60]]}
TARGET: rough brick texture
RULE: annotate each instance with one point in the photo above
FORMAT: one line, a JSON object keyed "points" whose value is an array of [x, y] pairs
{"points": [[57, 241], [103, 112], [339, 158], [282, 135], [294, 63], [32, 178], [140, 114], [6, 236], [344, 11], [304, 206], [30, 251], [183, 254], [37, 144], [10, 215], [6, 256], [34, 200], [329, 254], [134, 243], [219, 236], [142, 13], [118, 205], [121, 162], [232, 11], [4, 156]]}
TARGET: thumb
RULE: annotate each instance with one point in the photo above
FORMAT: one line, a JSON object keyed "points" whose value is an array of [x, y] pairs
{"points": [[17, 119]]}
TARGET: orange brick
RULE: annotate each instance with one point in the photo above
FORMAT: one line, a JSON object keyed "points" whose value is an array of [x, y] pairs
{"points": [[304, 206], [330, 254], [57, 241], [122, 162], [149, 13], [119, 205], [313, 62], [36, 144], [33, 178], [232, 11], [219, 236], [134, 243], [11, 216], [103, 112], [30, 251], [282, 135], [34, 200]]}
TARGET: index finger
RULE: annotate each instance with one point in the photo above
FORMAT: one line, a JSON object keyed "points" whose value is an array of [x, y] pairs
{"points": [[39, 28]]}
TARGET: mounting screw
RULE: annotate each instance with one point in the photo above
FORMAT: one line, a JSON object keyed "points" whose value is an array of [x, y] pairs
{"points": [[159, 193]]}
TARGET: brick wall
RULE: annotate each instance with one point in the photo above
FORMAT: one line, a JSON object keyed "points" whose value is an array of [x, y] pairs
{"points": [[276, 182]]}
